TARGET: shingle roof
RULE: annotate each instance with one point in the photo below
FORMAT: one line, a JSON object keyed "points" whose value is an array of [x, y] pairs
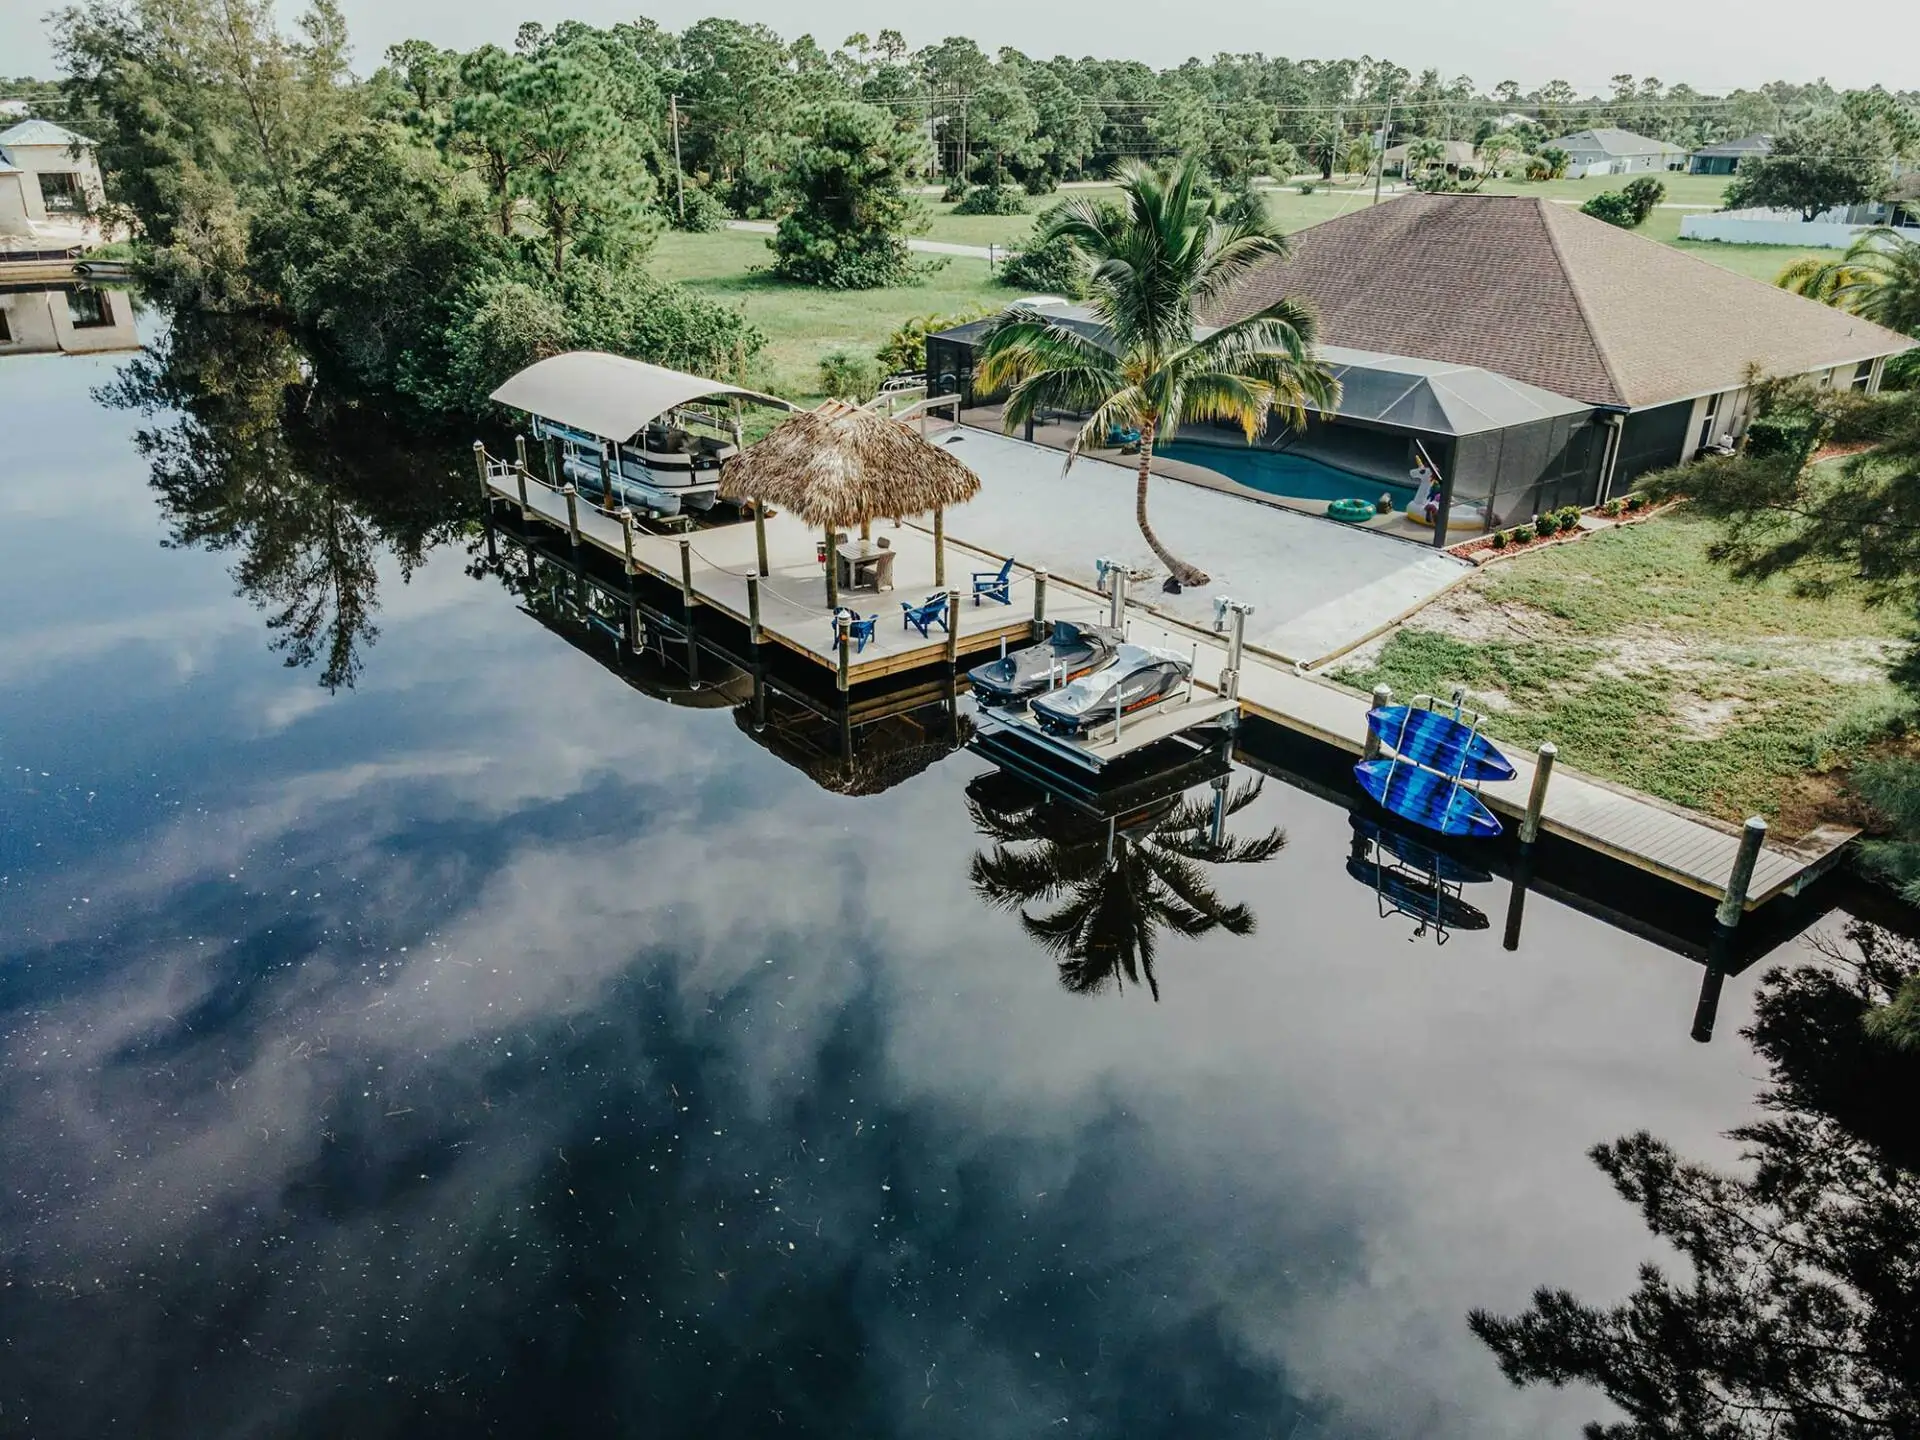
{"points": [[1547, 296], [1615, 142], [41, 132]]}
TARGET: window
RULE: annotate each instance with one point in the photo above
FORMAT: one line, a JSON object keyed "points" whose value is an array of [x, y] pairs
{"points": [[1710, 425], [89, 309], [60, 190], [6, 331], [1862, 375]]}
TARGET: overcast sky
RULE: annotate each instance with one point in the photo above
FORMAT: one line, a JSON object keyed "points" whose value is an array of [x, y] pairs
{"points": [[1713, 46]]}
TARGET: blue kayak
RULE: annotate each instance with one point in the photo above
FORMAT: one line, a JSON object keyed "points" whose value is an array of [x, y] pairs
{"points": [[1436, 740], [1426, 797], [1410, 851]]}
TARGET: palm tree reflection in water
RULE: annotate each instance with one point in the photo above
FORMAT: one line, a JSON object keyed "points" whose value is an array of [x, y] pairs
{"points": [[1097, 891]]}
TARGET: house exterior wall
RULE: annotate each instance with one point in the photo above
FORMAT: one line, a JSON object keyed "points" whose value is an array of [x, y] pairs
{"points": [[15, 217], [1599, 162], [38, 160], [1835, 230]]}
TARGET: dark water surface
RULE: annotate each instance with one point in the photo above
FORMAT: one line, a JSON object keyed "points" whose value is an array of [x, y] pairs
{"points": [[484, 1047]]}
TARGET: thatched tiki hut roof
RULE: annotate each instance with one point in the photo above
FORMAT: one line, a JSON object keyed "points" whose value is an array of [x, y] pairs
{"points": [[840, 466]]}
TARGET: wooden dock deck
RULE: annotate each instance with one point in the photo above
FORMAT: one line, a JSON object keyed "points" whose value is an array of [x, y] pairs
{"points": [[1687, 849], [793, 595]]}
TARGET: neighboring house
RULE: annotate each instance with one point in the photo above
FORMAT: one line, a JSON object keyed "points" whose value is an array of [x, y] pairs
{"points": [[1457, 155], [14, 109], [66, 319], [1616, 152], [48, 178], [1725, 157]]}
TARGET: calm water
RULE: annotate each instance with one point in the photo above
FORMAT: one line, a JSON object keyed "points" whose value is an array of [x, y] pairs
{"points": [[485, 1047], [1280, 473]]}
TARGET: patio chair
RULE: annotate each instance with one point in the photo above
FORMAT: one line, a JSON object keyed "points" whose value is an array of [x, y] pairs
{"points": [[1120, 436], [859, 628], [994, 584], [933, 611]]}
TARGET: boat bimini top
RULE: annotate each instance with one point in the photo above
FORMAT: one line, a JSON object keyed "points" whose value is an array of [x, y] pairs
{"points": [[610, 396]]}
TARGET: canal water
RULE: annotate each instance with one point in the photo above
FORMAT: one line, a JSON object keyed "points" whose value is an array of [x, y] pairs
{"points": [[407, 1026]]}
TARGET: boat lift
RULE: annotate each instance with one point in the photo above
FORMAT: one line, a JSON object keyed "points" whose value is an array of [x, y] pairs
{"points": [[1186, 718]]}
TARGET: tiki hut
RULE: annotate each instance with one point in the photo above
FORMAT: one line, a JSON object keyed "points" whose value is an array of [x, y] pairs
{"points": [[840, 466]]}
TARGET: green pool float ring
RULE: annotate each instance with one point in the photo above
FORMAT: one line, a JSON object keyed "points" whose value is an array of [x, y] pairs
{"points": [[1350, 510]]}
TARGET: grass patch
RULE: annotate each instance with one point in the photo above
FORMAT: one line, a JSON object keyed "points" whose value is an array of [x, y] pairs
{"points": [[1645, 664], [802, 323]]}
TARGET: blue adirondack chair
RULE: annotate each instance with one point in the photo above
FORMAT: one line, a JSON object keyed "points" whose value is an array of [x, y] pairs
{"points": [[1122, 435], [994, 584], [931, 612], [859, 628]]}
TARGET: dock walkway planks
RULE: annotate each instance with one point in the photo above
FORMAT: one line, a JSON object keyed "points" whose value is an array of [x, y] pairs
{"points": [[1686, 849]]}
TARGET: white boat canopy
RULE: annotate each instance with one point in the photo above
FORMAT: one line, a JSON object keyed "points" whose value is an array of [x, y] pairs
{"points": [[610, 395]]}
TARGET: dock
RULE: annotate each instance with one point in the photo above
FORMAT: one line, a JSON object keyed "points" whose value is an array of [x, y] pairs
{"points": [[719, 569]]}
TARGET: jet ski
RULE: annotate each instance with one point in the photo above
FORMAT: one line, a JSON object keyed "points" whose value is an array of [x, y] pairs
{"points": [[1071, 652], [1139, 677]]}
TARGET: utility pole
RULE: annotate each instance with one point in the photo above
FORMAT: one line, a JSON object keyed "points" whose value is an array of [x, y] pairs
{"points": [[1380, 159], [964, 166], [933, 143], [679, 175]]}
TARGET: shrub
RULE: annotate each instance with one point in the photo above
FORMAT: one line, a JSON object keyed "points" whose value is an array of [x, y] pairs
{"points": [[1613, 207], [752, 194], [1568, 516], [906, 348], [1521, 534], [1643, 194], [1040, 182], [1611, 508], [992, 200], [956, 189], [1499, 539], [1632, 503], [1546, 524], [703, 211], [849, 375], [1306, 187]]}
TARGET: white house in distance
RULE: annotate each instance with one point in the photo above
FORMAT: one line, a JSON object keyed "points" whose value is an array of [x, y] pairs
{"points": [[49, 185], [1617, 152]]}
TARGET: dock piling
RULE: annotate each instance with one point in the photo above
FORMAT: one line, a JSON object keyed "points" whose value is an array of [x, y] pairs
{"points": [[572, 493], [552, 452], [480, 464], [1734, 902], [844, 635], [520, 451], [606, 479], [1039, 602], [939, 542], [1537, 797], [953, 627], [686, 573], [760, 536], [753, 611], [626, 540], [1382, 697], [1117, 597]]}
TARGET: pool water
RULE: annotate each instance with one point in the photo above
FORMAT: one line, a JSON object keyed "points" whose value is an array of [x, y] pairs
{"points": [[1279, 473], [409, 1026]]}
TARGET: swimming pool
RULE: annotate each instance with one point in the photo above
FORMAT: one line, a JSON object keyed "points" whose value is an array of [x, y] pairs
{"points": [[1279, 473]]}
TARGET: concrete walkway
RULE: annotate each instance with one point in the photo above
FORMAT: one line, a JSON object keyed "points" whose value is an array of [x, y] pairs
{"points": [[1318, 587]]}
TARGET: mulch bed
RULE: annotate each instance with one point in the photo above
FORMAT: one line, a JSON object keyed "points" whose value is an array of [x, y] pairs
{"points": [[1481, 550]]}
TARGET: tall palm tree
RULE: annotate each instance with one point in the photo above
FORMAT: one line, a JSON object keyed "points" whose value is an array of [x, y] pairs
{"points": [[1153, 260], [1115, 890], [1877, 278], [1325, 144]]}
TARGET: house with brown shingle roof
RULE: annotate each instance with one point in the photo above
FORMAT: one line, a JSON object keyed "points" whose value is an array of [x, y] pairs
{"points": [[1658, 342], [1527, 355]]}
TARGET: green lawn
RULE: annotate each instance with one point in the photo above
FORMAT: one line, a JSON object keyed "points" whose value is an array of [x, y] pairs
{"points": [[1681, 189], [802, 323], [1648, 665]]}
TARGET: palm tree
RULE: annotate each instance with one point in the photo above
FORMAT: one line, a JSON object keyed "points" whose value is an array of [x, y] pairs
{"points": [[1325, 142], [1877, 278], [1424, 154], [1116, 889], [1153, 260]]}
